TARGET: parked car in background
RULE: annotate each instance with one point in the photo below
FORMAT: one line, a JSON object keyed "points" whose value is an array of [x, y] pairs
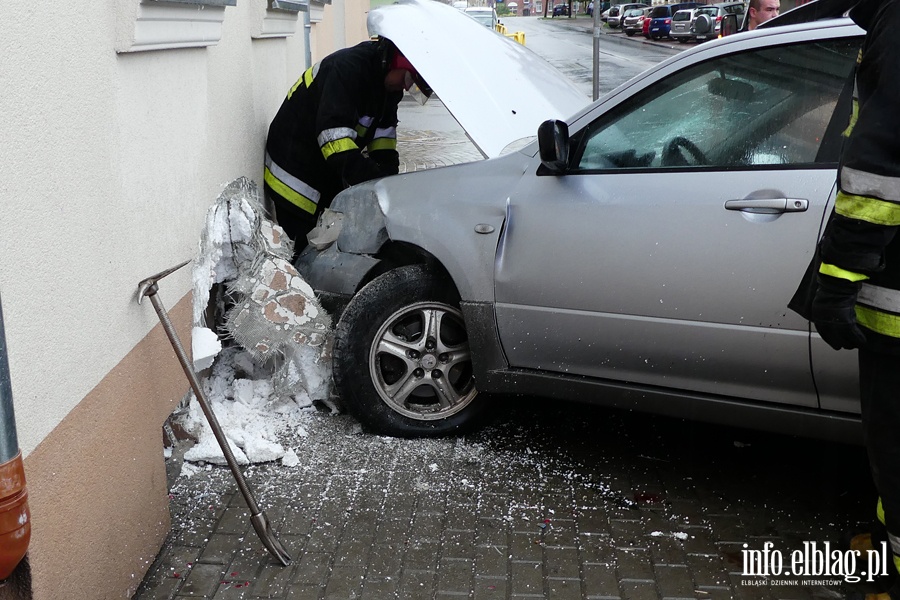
{"points": [[560, 10], [633, 21], [661, 18], [707, 23], [485, 15], [645, 24], [686, 206], [617, 13], [681, 25]]}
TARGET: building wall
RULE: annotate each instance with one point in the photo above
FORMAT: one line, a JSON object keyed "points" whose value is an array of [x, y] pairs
{"points": [[108, 163]]}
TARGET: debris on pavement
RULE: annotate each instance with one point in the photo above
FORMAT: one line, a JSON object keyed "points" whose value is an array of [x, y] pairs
{"points": [[279, 362]]}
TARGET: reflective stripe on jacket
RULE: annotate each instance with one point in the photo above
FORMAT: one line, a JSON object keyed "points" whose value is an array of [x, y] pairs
{"points": [[860, 243], [335, 110]]}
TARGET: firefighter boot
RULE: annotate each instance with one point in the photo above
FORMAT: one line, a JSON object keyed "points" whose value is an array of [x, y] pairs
{"points": [[865, 539]]}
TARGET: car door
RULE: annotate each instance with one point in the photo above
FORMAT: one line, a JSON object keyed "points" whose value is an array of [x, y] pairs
{"points": [[668, 251]]}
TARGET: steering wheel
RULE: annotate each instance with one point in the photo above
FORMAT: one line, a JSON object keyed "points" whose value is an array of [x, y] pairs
{"points": [[672, 155]]}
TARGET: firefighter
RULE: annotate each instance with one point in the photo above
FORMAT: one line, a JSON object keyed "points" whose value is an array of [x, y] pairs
{"points": [[337, 127], [857, 300]]}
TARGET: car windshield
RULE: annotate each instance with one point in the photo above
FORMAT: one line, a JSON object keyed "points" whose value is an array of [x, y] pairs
{"points": [[712, 11], [742, 112], [659, 11], [634, 12], [682, 15]]}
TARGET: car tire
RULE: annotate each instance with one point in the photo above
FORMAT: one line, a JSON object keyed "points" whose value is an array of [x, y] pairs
{"points": [[391, 375], [629, 33], [682, 40]]}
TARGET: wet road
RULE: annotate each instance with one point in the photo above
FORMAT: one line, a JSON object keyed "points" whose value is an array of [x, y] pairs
{"points": [[567, 45]]}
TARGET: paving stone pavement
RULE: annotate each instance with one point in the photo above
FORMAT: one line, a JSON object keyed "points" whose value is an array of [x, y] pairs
{"points": [[546, 500]]}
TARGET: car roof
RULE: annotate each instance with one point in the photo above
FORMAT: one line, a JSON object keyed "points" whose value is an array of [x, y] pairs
{"points": [[475, 9]]}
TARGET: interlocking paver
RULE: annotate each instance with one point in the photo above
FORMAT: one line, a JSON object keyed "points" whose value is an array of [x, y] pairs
{"points": [[674, 582], [455, 575]]}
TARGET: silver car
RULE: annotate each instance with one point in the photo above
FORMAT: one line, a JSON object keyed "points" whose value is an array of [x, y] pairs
{"points": [[633, 21], [681, 25], [618, 12], [639, 254]]}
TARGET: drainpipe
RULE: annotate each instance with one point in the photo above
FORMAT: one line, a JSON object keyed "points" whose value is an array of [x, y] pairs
{"points": [[307, 26], [15, 519]]}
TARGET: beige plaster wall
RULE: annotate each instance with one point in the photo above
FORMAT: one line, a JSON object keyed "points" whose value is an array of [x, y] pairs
{"points": [[108, 164]]}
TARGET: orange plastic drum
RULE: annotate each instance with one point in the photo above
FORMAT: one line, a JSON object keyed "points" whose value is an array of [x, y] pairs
{"points": [[15, 520]]}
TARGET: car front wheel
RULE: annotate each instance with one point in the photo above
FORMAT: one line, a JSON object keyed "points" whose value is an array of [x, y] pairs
{"points": [[402, 362]]}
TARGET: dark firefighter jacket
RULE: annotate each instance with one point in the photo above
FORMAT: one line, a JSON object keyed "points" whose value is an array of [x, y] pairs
{"points": [[336, 109], [860, 243]]}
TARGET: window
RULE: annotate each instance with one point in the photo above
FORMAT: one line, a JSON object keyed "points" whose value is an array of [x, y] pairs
{"points": [[765, 107]]}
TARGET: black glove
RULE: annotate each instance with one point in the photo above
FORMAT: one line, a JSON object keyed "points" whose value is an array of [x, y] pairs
{"points": [[834, 314]]}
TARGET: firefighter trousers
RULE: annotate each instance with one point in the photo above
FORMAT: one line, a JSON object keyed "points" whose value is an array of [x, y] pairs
{"points": [[879, 383]]}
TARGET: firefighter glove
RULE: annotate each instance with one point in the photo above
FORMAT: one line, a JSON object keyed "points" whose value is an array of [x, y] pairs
{"points": [[834, 312]]}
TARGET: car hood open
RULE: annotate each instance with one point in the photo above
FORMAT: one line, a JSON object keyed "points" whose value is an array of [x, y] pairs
{"points": [[498, 90]]}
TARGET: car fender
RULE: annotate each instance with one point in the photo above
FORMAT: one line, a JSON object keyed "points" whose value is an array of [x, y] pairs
{"points": [[454, 214]]}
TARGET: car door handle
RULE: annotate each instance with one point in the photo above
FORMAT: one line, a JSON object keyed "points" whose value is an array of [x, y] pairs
{"points": [[768, 205]]}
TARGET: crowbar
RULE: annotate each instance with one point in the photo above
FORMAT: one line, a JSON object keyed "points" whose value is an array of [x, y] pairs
{"points": [[149, 288]]}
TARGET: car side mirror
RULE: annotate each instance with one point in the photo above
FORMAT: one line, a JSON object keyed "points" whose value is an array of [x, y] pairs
{"points": [[553, 142]]}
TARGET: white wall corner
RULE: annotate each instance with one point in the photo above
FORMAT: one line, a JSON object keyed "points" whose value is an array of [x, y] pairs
{"points": [[151, 25]]}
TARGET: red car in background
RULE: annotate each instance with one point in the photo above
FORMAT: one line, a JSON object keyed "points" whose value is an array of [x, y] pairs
{"points": [[645, 26]]}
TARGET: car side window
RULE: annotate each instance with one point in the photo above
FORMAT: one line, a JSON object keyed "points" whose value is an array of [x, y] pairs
{"points": [[762, 107]]}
